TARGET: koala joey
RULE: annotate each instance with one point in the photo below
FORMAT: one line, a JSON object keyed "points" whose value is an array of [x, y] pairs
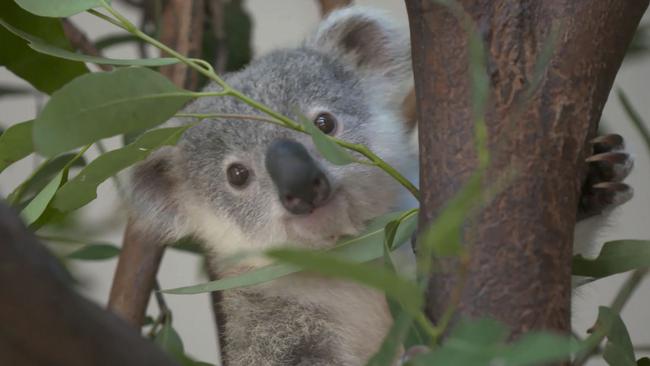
{"points": [[246, 186]]}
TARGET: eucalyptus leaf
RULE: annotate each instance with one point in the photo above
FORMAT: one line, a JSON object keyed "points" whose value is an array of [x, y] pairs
{"points": [[619, 350], [105, 104], [169, 340], [15, 143], [363, 248], [24, 61], [42, 176], [483, 342], [614, 257], [38, 204], [82, 189], [43, 47], [94, 252], [59, 8], [538, 348], [330, 150], [328, 264]]}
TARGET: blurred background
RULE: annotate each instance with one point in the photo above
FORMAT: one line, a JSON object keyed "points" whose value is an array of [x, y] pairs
{"points": [[284, 23]]}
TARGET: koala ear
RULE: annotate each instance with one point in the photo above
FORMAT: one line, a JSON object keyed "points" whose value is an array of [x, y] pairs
{"points": [[156, 196], [368, 41]]}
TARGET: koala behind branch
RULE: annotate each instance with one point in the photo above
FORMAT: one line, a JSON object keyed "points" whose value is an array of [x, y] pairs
{"points": [[242, 186]]}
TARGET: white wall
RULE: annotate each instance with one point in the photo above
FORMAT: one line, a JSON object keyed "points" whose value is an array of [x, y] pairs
{"points": [[283, 23]]}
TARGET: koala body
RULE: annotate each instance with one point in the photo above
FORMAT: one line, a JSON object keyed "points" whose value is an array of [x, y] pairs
{"points": [[246, 186]]}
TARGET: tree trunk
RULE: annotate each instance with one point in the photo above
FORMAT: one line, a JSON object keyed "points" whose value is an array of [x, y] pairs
{"points": [[520, 269]]}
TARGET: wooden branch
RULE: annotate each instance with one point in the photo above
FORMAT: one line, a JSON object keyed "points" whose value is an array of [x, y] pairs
{"points": [[135, 274], [326, 6], [45, 323], [182, 30], [520, 269]]}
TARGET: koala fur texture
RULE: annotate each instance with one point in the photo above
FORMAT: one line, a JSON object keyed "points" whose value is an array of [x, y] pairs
{"points": [[246, 186]]}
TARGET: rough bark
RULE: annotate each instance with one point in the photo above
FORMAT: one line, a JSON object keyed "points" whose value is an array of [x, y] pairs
{"points": [[326, 6], [182, 30], [44, 322], [521, 255]]}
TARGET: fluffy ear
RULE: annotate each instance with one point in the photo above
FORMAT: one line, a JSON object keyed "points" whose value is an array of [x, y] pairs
{"points": [[368, 41], [156, 196]]}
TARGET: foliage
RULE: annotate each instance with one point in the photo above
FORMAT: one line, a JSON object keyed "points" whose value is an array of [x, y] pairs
{"points": [[87, 107]]}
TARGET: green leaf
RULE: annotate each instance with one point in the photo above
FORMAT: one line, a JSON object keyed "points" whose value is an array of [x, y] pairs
{"points": [[59, 8], [24, 61], [328, 264], [82, 189], [538, 348], [15, 143], [619, 350], [43, 47], [37, 206], [330, 150], [105, 104], [363, 248], [483, 342], [169, 340], [615, 257], [42, 176], [94, 252]]}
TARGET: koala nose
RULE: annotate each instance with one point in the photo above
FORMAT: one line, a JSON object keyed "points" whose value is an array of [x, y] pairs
{"points": [[301, 184]]}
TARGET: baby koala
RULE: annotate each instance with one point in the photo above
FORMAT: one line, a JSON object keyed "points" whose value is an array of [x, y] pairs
{"points": [[247, 186]]}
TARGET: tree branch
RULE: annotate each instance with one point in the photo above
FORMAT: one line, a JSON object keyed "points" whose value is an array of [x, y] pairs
{"points": [[520, 272]]}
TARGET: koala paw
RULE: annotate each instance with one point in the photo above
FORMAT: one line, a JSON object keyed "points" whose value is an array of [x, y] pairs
{"points": [[604, 188]]}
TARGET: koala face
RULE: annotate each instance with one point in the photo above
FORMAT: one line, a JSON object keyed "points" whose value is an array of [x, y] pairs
{"points": [[247, 185]]}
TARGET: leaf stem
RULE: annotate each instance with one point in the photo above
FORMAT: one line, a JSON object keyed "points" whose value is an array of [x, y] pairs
{"points": [[227, 90]]}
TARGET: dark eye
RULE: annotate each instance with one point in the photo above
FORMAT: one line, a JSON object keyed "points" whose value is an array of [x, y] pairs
{"points": [[238, 175], [326, 123]]}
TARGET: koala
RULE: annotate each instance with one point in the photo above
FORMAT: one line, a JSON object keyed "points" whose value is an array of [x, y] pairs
{"points": [[245, 186]]}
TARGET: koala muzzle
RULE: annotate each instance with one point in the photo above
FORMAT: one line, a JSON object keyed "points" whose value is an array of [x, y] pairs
{"points": [[301, 184]]}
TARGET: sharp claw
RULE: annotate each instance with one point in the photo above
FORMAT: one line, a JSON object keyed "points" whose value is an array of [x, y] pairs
{"points": [[612, 186], [608, 142], [620, 192], [613, 157]]}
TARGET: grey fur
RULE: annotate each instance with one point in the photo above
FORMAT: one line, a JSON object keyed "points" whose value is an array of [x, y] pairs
{"points": [[356, 66]]}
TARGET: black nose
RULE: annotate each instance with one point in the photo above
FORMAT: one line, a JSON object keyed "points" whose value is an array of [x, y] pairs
{"points": [[301, 184]]}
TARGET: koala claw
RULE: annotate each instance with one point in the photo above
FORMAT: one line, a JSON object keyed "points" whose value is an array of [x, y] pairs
{"points": [[607, 168]]}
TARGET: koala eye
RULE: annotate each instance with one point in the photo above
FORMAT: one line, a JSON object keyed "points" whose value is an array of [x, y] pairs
{"points": [[326, 123], [238, 175]]}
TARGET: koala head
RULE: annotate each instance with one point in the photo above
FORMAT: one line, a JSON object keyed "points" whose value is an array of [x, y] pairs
{"points": [[242, 185]]}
